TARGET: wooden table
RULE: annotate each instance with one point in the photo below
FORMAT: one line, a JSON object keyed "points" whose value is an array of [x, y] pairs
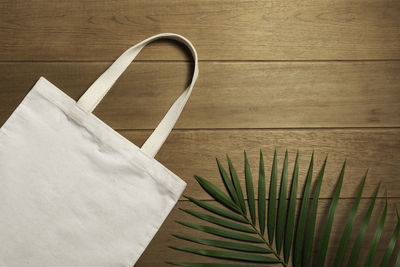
{"points": [[320, 76]]}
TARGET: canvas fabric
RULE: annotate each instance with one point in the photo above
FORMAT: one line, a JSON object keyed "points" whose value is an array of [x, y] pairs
{"points": [[73, 191]]}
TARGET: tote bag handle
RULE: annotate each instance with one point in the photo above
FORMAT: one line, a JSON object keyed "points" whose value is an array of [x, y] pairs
{"points": [[92, 97]]}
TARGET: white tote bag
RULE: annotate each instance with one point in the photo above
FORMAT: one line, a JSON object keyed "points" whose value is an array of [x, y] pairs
{"points": [[74, 192]]}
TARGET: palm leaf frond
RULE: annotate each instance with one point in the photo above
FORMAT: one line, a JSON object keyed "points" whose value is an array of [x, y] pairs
{"points": [[309, 237], [236, 184], [217, 194], [271, 221], [240, 238], [222, 232], [360, 236], [217, 210], [227, 183], [220, 221], [226, 244], [301, 221], [377, 237], [397, 264], [281, 220], [249, 189], [326, 232], [261, 195], [229, 255], [344, 241], [290, 223], [392, 243]]}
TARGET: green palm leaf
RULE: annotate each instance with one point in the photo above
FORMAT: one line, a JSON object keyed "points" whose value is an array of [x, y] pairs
{"points": [[344, 241], [326, 232], [225, 244], [229, 255], [281, 220], [272, 200], [301, 221], [296, 239], [217, 210], [360, 236], [219, 221], [261, 195], [249, 189], [309, 238], [227, 182], [291, 212], [377, 237], [217, 194], [392, 243], [237, 185], [397, 264], [222, 232]]}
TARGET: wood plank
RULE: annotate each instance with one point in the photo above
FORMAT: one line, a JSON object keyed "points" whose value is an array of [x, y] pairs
{"points": [[189, 152], [227, 95], [158, 252], [228, 30]]}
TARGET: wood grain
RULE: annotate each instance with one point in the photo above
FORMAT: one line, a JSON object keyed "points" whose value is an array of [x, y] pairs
{"points": [[158, 252], [228, 94], [189, 152], [231, 30], [305, 75]]}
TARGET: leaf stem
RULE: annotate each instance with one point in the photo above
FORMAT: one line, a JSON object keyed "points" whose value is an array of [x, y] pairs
{"points": [[281, 261]]}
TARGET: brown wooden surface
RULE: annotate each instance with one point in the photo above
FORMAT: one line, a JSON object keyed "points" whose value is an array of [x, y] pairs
{"points": [[228, 94], [222, 30], [308, 75], [189, 152]]}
